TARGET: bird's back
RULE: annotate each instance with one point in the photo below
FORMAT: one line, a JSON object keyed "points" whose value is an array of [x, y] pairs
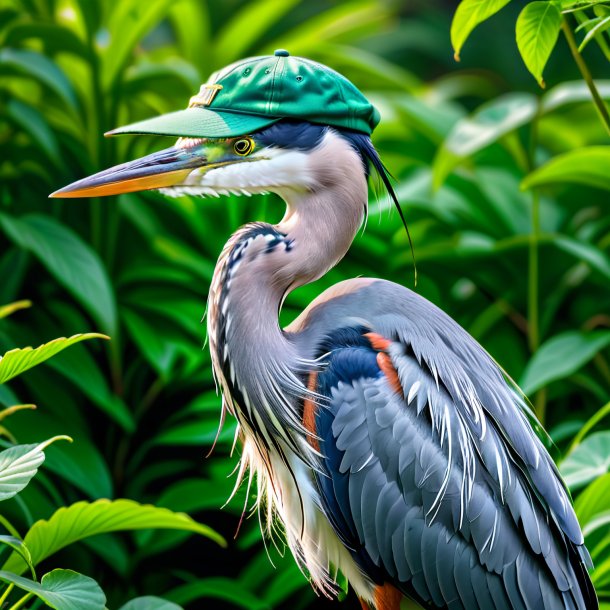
{"points": [[431, 473]]}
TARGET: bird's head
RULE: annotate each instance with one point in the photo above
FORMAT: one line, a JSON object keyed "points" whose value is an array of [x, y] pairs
{"points": [[285, 156], [255, 126]]}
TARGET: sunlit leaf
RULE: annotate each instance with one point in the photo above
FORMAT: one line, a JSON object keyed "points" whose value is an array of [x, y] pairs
{"points": [[589, 460], [487, 125], [73, 262], [538, 26], [19, 547], [598, 28], [572, 92], [589, 166], [62, 590], [18, 361], [468, 15], [561, 356], [19, 464], [84, 519]]}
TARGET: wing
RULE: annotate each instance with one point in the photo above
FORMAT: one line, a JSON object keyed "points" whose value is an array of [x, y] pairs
{"points": [[432, 476]]}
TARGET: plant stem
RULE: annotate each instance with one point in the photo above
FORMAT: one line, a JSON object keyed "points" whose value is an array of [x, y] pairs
{"points": [[602, 109], [6, 594], [21, 601], [595, 419]]}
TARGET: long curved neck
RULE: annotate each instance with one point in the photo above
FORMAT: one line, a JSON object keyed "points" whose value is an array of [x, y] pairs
{"points": [[257, 366]]}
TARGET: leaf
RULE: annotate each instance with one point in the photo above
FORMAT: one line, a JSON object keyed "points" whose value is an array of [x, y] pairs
{"points": [[7, 310], [62, 590], [19, 547], [19, 464], [224, 589], [74, 263], [600, 27], [572, 92], [41, 69], [589, 460], [18, 361], [538, 26], [589, 166], [468, 15], [584, 252], [129, 21], [83, 519], [150, 602], [561, 356], [487, 125], [593, 501]]}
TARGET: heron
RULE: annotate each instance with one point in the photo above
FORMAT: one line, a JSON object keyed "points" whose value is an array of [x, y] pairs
{"points": [[388, 443]]}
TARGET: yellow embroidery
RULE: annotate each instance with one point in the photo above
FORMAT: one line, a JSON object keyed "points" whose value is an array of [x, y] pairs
{"points": [[205, 96]]}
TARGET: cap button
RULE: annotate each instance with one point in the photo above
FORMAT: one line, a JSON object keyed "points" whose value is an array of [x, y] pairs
{"points": [[281, 53]]}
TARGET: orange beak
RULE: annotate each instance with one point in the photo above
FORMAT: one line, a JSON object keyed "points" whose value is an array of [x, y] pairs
{"points": [[162, 169]]}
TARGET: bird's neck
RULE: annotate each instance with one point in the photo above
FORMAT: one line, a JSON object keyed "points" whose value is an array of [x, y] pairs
{"points": [[258, 366]]}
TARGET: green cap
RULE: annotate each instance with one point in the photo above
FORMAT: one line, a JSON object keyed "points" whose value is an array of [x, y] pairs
{"points": [[256, 92]]}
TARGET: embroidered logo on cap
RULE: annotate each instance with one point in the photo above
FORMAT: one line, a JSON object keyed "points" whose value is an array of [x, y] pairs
{"points": [[206, 94]]}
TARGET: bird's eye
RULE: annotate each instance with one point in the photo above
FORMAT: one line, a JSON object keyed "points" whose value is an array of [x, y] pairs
{"points": [[243, 146]]}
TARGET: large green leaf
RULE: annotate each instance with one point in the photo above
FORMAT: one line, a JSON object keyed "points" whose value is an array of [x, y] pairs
{"points": [[129, 21], [561, 356], [538, 26], [487, 125], [84, 519], [40, 68], [73, 263], [19, 464], [593, 501], [62, 590], [587, 461], [589, 166], [19, 547], [150, 602], [223, 589], [468, 15], [18, 361]]}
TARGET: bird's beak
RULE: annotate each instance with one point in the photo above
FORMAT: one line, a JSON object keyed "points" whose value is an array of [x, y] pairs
{"points": [[161, 169]]}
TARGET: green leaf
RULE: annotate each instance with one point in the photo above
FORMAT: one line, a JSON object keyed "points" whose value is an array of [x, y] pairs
{"points": [[224, 589], [572, 92], [129, 21], [33, 123], [83, 519], [598, 28], [561, 356], [18, 361], [589, 166], [73, 262], [19, 464], [487, 125], [593, 501], [150, 602], [538, 26], [584, 252], [468, 15], [41, 69], [7, 310], [62, 590], [589, 460], [19, 547]]}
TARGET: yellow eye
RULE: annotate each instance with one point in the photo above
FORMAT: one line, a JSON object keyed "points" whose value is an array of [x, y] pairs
{"points": [[243, 146]]}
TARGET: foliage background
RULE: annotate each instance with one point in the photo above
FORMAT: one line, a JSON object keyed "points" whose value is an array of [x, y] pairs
{"points": [[142, 408]]}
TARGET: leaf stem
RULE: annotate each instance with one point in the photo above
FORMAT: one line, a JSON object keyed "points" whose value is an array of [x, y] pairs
{"points": [[6, 593], [602, 109], [19, 603], [589, 425]]}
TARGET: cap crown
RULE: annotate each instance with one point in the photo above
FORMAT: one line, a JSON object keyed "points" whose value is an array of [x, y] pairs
{"points": [[282, 86]]}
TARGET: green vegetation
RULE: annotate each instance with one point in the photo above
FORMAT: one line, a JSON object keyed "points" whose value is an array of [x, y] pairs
{"points": [[505, 187]]}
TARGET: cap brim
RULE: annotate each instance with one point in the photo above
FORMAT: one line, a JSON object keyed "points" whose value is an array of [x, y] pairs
{"points": [[198, 123]]}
